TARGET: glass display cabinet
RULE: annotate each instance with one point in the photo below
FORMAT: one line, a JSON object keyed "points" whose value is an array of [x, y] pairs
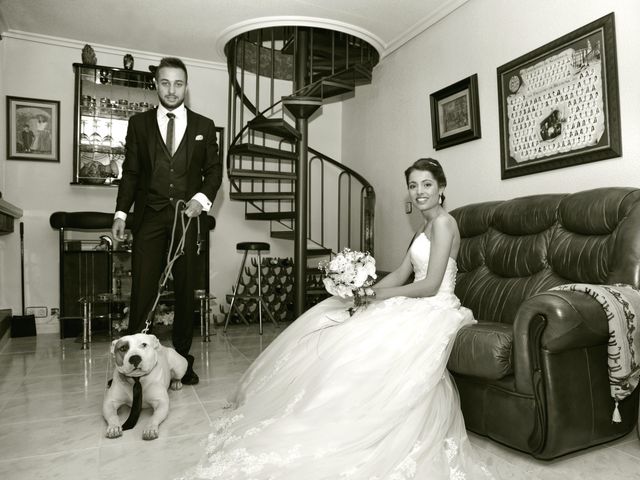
{"points": [[105, 98]]}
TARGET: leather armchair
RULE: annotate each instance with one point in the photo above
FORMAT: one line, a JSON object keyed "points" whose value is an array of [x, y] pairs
{"points": [[532, 374]]}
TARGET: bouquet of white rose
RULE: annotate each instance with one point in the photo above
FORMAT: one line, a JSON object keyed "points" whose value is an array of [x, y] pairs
{"points": [[350, 274]]}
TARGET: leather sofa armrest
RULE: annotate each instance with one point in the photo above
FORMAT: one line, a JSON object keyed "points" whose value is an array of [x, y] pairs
{"points": [[555, 321], [483, 350]]}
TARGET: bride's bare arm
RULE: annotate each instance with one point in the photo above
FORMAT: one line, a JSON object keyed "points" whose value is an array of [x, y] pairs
{"points": [[443, 234], [399, 276]]}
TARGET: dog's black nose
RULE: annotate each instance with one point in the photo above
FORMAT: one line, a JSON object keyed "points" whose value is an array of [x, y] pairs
{"points": [[135, 360]]}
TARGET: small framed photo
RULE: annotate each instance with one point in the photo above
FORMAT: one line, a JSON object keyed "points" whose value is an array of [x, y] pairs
{"points": [[33, 129], [455, 113]]}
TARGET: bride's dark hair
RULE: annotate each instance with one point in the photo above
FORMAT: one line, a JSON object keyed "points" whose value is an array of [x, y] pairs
{"points": [[430, 165]]}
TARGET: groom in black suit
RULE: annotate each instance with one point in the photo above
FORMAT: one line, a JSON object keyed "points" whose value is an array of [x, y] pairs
{"points": [[171, 154]]}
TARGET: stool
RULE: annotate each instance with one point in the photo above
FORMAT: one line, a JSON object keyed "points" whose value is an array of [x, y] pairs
{"points": [[247, 247], [205, 300]]}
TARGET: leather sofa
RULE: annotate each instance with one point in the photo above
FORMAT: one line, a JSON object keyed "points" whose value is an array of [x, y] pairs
{"points": [[532, 373]]}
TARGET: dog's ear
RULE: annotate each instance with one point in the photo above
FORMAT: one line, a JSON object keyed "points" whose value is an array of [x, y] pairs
{"points": [[113, 346], [154, 341]]}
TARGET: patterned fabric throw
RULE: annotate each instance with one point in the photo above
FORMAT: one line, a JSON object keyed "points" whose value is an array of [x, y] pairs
{"points": [[621, 304]]}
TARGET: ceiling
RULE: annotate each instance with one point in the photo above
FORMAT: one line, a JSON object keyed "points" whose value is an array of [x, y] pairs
{"points": [[199, 29]]}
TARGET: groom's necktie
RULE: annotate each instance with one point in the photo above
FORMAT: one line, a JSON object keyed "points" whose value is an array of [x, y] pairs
{"points": [[170, 127], [136, 405]]}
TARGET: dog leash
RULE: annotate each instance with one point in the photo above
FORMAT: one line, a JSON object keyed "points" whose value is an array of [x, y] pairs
{"points": [[179, 251]]}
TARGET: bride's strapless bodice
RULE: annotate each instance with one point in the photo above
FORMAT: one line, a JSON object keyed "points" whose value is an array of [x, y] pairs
{"points": [[419, 252]]}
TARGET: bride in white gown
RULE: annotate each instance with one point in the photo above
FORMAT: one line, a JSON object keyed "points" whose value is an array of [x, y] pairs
{"points": [[366, 397]]}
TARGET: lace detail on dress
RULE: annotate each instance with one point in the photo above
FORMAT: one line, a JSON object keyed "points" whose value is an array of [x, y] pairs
{"points": [[223, 462], [406, 469], [452, 450]]}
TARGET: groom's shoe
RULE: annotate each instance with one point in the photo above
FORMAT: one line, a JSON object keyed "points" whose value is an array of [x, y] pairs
{"points": [[190, 377]]}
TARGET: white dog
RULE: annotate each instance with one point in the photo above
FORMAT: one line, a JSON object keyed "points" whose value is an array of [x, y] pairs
{"points": [[157, 368]]}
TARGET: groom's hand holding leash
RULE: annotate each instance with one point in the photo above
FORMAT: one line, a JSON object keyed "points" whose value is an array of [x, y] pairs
{"points": [[193, 209]]}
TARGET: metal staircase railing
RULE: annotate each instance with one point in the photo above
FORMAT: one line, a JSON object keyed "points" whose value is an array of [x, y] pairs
{"points": [[265, 147]]}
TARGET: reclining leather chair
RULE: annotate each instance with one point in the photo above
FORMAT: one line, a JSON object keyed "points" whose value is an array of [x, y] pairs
{"points": [[533, 374]]}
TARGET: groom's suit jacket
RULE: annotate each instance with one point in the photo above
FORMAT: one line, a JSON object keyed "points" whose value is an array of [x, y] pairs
{"points": [[204, 169]]}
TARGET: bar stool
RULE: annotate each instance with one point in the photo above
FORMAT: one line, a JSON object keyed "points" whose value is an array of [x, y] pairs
{"points": [[247, 247]]}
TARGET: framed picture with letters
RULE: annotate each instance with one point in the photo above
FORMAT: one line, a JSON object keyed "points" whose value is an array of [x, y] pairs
{"points": [[559, 104]]}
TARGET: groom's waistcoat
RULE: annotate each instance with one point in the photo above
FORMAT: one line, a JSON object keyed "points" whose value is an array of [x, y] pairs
{"points": [[169, 177]]}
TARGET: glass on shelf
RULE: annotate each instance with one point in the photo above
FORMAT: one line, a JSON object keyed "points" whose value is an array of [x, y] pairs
{"points": [[106, 99]]}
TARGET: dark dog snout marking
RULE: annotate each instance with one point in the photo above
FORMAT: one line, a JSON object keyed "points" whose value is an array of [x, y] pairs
{"points": [[135, 360]]}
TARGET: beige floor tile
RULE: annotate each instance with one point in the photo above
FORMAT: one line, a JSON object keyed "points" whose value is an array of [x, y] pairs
{"points": [[26, 439], [83, 364], [73, 465], [16, 366], [27, 408], [160, 459], [73, 383], [595, 464]]}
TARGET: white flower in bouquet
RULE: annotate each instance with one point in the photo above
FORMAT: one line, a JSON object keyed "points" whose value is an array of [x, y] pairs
{"points": [[349, 274]]}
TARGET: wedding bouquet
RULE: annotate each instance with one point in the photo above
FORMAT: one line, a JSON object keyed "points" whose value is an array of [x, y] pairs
{"points": [[350, 274]]}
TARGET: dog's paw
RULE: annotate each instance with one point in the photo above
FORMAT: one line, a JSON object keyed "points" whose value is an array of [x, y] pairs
{"points": [[150, 432], [176, 384], [114, 431]]}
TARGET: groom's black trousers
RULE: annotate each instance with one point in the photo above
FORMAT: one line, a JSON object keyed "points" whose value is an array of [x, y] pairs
{"points": [[149, 257]]}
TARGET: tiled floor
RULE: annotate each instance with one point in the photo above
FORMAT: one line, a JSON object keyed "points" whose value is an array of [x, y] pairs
{"points": [[51, 424]]}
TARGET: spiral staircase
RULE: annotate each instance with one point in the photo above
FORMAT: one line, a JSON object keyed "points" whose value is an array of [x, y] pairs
{"points": [[279, 78]]}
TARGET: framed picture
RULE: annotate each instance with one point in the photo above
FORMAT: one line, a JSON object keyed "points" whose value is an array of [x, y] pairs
{"points": [[559, 104], [455, 113], [33, 129]]}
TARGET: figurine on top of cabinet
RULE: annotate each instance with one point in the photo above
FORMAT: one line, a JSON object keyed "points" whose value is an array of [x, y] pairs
{"points": [[127, 60], [88, 55]]}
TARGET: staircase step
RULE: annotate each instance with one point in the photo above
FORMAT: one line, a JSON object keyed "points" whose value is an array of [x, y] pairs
{"points": [[251, 150], [301, 106], [270, 216], [284, 234], [328, 88], [323, 47], [312, 250], [318, 252], [260, 174], [274, 126], [253, 196], [358, 74]]}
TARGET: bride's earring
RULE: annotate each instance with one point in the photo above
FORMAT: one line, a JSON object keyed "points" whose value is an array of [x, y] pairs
{"points": [[408, 207]]}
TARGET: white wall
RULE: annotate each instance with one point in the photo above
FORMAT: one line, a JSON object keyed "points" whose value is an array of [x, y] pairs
{"points": [[42, 68], [387, 125], [5, 240]]}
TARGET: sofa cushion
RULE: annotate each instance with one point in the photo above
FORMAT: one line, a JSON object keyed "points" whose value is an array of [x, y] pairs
{"points": [[483, 350]]}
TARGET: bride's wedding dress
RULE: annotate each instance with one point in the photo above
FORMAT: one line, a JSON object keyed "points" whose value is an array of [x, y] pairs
{"points": [[366, 397]]}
